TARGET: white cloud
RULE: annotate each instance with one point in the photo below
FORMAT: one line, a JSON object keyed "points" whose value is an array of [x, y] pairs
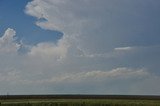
{"points": [[122, 72], [8, 42], [95, 81], [97, 76], [41, 8], [49, 50], [123, 48]]}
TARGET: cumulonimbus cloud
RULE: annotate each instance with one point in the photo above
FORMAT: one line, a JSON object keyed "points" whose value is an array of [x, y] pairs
{"points": [[98, 53]]}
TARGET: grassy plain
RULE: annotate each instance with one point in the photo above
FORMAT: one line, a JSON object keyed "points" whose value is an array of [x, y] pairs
{"points": [[78, 102]]}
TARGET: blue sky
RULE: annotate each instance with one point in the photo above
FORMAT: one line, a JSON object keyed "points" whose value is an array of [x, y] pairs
{"points": [[80, 47], [15, 17]]}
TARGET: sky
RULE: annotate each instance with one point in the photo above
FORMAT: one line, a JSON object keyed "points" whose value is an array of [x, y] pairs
{"points": [[80, 47]]}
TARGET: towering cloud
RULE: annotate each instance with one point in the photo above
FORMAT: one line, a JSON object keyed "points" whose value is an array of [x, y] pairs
{"points": [[8, 42]]}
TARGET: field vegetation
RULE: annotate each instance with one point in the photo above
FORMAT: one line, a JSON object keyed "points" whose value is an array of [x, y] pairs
{"points": [[78, 102]]}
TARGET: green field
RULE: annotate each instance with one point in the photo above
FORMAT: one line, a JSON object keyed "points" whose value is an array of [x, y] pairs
{"points": [[78, 102]]}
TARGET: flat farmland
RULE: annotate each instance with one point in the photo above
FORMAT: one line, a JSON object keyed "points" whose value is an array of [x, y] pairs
{"points": [[79, 100]]}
